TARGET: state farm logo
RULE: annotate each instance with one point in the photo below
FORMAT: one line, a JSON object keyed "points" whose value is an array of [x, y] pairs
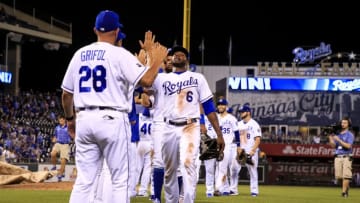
{"points": [[308, 150], [288, 150]]}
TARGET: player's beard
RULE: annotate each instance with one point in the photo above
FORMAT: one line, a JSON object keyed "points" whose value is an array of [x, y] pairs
{"points": [[168, 69], [221, 111], [179, 64], [245, 116]]}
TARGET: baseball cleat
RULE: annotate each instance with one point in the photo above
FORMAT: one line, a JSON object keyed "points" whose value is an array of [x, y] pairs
{"points": [[156, 201], [209, 195], [254, 194], [233, 193], [142, 194], [152, 197], [226, 193], [217, 193]]}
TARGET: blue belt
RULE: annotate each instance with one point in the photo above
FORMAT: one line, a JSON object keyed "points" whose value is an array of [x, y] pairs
{"points": [[97, 108], [181, 123], [63, 143]]}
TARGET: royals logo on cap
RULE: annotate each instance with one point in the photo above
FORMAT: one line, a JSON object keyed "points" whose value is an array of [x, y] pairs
{"points": [[222, 102], [245, 108], [107, 21]]}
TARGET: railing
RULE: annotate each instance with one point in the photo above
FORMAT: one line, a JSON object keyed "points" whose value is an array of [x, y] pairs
{"points": [[31, 19]]}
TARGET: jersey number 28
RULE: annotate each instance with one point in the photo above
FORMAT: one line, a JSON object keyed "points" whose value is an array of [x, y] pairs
{"points": [[98, 76]]}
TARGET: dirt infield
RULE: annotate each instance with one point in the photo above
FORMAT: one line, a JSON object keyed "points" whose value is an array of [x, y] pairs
{"points": [[65, 185]]}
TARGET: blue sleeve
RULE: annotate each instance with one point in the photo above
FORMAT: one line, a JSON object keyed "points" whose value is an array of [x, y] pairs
{"points": [[209, 106], [132, 114], [202, 119], [237, 138], [135, 135], [139, 90]]}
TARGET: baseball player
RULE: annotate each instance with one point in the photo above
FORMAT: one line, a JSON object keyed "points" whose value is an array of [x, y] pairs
{"points": [[62, 141], [179, 94], [103, 186], [157, 166], [99, 84], [230, 131], [144, 148], [250, 136], [210, 164]]}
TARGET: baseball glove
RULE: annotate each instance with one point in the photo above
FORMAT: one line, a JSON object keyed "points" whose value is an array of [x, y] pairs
{"points": [[241, 158], [244, 158], [208, 148]]}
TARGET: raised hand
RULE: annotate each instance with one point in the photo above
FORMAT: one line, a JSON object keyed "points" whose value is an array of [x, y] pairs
{"points": [[149, 41], [157, 54]]}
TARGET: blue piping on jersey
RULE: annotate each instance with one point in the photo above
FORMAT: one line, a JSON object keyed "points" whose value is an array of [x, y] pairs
{"points": [[237, 138], [202, 119]]}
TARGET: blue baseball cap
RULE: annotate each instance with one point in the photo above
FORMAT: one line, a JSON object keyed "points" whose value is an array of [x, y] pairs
{"points": [[222, 102], [107, 21], [245, 108], [180, 49], [121, 36]]}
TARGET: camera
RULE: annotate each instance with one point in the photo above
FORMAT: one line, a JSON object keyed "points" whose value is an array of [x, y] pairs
{"points": [[331, 129]]}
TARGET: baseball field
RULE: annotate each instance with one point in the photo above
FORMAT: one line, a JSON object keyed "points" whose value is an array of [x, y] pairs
{"points": [[60, 192]]}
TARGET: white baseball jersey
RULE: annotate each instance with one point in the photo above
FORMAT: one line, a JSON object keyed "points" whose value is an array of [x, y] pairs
{"points": [[248, 132], [145, 126], [209, 128], [228, 125], [158, 104], [174, 90], [99, 71]]}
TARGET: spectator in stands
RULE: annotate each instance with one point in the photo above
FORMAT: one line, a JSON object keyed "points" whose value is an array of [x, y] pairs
{"points": [[316, 139], [32, 115]]}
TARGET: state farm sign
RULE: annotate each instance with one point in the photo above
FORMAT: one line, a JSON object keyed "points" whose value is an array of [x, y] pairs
{"points": [[303, 150]]}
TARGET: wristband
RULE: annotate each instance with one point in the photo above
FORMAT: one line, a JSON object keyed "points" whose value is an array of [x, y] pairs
{"points": [[69, 118]]}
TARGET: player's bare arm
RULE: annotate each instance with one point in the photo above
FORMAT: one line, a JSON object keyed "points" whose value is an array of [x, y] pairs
{"points": [[215, 123], [67, 103], [341, 142]]}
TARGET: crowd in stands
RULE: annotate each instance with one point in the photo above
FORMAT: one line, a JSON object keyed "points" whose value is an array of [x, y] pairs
{"points": [[292, 137], [27, 126], [296, 137], [28, 121]]}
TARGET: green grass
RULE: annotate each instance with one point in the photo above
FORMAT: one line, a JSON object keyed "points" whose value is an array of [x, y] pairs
{"points": [[268, 194]]}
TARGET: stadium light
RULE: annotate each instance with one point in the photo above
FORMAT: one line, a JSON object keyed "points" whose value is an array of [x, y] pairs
{"points": [[51, 46]]}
